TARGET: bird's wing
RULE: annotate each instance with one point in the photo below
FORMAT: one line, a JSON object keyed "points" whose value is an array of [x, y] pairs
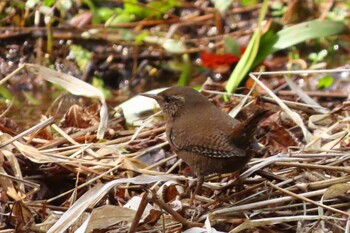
{"points": [[221, 138], [211, 143]]}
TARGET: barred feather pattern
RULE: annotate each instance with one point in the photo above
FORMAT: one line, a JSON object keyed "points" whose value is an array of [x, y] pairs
{"points": [[213, 153]]}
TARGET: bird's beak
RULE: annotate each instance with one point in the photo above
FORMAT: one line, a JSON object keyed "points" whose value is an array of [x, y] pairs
{"points": [[153, 96]]}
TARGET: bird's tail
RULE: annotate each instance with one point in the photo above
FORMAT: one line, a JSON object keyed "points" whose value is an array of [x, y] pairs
{"points": [[243, 133]]}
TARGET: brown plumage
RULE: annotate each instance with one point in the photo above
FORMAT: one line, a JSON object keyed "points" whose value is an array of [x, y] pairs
{"points": [[206, 138]]}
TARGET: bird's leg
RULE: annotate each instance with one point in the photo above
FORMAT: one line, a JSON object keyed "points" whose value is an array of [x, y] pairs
{"points": [[234, 176], [198, 190], [187, 193], [200, 181]]}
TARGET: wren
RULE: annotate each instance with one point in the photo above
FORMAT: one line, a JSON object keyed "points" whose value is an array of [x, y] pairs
{"points": [[203, 136]]}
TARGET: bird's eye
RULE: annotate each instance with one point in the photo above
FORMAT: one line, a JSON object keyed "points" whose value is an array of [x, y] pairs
{"points": [[167, 98]]}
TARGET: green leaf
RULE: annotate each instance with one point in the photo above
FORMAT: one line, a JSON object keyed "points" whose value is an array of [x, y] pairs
{"points": [[232, 46], [5, 93], [245, 63], [161, 6], [98, 83], [45, 10], [337, 14], [96, 18], [317, 57], [170, 45], [173, 46], [141, 37], [66, 4], [186, 71], [222, 5], [305, 31], [31, 3], [276, 5], [133, 7], [313, 57], [325, 82], [31, 99], [248, 2], [82, 56], [266, 44], [124, 17], [272, 42], [105, 13], [17, 4], [322, 54], [49, 2], [247, 59], [126, 35]]}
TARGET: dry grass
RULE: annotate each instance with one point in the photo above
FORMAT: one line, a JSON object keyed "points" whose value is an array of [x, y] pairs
{"points": [[302, 189]]}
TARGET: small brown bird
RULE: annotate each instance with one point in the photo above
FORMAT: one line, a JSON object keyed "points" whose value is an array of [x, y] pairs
{"points": [[206, 138]]}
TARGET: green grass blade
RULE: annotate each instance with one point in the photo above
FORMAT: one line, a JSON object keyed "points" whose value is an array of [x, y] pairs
{"points": [[186, 71], [246, 61]]}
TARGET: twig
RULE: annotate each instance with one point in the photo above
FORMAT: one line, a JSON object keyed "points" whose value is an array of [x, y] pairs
{"points": [[84, 184], [41, 125], [257, 205], [139, 212], [315, 166], [328, 94], [308, 200], [173, 213]]}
